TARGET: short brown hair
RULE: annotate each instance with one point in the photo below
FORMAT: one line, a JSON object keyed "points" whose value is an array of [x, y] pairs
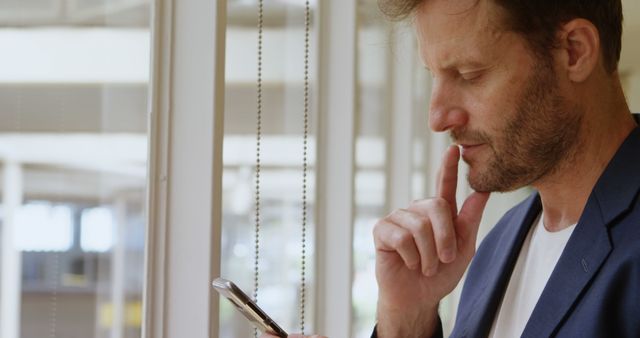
{"points": [[538, 21]]}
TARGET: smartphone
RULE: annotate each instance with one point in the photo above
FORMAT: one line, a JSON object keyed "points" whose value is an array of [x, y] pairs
{"points": [[248, 308]]}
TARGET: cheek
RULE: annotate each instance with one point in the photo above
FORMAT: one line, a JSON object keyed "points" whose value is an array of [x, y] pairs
{"points": [[486, 111], [495, 103]]}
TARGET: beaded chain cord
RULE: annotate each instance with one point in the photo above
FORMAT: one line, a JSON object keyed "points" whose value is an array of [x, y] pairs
{"points": [[304, 162], [258, 144]]}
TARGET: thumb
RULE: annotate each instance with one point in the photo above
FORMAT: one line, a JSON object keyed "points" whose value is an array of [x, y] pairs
{"points": [[468, 220]]}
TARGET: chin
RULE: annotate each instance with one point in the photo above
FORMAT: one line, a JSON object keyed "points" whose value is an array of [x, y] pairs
{"points": [[490, 181], [478, 180], [479, 185]]}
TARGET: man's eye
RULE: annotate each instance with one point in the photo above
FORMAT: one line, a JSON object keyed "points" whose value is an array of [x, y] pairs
{"points": [[470, 76]]}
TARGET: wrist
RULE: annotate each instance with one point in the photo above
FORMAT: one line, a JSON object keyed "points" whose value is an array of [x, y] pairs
{"points": [[402, 322]]}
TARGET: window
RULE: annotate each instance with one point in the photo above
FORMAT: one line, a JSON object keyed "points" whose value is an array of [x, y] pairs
{"points": [[281, 162], [73, 154], [374, 40]]}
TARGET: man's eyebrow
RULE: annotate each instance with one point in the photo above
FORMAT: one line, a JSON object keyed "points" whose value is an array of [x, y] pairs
{"points": [[454, 65]]}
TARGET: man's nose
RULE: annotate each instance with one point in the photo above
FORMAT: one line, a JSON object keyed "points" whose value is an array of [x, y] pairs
{"points": [[445, 109]]}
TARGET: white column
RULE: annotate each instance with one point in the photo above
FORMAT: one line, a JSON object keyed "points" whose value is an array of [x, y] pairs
{"points": [[118, 267], [185, 169], [335, 185], [11, 256]]}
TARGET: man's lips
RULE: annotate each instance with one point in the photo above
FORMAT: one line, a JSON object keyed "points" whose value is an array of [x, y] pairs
{"points": [[469, 149], [469, 145]]}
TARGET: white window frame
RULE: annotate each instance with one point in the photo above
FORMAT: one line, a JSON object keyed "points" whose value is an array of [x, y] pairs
{"points": [[336, 167], [185, 169]]}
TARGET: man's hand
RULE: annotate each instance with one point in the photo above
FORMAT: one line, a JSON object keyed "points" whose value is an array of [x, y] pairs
{"points": [[266, 335], [422, 253]]}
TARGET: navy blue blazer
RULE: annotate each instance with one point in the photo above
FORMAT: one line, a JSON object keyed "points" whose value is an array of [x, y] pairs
{"points": [[594, 290]]}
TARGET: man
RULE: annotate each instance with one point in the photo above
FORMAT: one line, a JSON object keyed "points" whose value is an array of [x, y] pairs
{"points": [[530, 94]]}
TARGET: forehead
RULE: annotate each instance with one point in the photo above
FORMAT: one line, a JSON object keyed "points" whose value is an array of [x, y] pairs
{"points": [[452, 30]]}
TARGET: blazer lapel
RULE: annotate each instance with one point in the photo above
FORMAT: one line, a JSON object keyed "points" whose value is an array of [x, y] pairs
{"points": [[585, 252], [486, 305], [589, 245]]}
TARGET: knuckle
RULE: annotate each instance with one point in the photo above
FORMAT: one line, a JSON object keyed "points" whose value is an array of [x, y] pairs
{"points": [[410, 220], [378, 228], [438, 203], [396, 214], [420, 225], [401, 238]]}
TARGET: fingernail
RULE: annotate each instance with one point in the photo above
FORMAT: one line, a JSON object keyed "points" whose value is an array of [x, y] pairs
{"points": [[448, 255]]}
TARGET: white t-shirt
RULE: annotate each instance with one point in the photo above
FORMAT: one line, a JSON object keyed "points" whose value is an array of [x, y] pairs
{"points": [[537, 259]]}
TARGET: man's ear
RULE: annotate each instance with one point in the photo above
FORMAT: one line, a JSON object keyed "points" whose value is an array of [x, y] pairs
{"points": [[579, 49]]}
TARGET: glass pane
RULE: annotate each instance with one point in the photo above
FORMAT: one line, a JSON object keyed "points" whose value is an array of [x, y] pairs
{"points": [[281, 163], [373, 102], [73, 154]]}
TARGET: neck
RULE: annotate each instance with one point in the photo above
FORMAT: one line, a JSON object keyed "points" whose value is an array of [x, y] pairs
{"points": [[564, 193]]}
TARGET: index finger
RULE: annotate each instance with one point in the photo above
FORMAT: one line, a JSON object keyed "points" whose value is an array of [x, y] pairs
{"points": [[448, 177]]}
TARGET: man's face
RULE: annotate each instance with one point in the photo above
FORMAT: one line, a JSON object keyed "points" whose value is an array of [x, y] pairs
{"points": [[499, 102]]}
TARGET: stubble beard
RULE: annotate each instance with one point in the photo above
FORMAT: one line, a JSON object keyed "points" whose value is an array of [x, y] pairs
{"points": [[534, 142]]}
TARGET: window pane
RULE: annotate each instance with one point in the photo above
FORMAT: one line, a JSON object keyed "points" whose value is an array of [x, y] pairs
{"points": [[96, 229], [73, 160], [52, 224], [374, 95], [281, 175]]}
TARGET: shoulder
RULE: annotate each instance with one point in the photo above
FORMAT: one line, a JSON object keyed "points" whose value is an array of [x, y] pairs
{"points": [[624, 234]]}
